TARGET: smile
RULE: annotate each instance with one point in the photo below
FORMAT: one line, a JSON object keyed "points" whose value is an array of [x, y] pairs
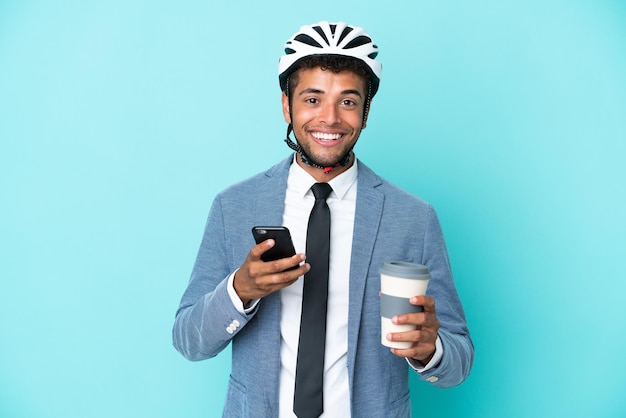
{"points": [[325, 136]]}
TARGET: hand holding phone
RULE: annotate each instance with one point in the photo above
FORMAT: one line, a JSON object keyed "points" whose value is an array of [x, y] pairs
{"points": [[256, 279]]}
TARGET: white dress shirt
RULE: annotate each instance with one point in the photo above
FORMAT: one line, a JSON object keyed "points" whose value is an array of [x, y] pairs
{"points": [[299, 201]]}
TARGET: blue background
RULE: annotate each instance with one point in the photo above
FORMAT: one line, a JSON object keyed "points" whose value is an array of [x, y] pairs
{"points": [[120, 121]]}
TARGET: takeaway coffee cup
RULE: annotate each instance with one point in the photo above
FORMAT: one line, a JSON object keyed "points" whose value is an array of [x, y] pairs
{"points": [[399, 281]]}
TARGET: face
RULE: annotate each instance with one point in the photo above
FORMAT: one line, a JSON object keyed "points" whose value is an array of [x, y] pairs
{"points": [[327, 116]]}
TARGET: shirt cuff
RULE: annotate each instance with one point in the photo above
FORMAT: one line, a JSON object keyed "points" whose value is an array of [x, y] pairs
{"points": [[433, 361], [234, 297]]}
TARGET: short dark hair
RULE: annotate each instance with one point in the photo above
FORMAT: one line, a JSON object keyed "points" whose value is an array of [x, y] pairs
{"points": [[329, 62]]}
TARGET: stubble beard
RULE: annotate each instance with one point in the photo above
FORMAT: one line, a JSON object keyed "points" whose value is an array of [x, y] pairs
{"points": [[321, 160]]}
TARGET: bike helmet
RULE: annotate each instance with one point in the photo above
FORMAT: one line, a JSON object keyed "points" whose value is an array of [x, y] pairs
{"points": [[325, 38]]}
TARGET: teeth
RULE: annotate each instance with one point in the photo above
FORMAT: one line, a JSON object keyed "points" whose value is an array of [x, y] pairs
{"points": [[327, 137]]}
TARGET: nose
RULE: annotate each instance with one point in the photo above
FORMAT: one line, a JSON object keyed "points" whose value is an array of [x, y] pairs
{"points": [[329, 114]]}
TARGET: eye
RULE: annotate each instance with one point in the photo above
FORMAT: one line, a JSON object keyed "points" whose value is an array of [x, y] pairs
{"points": [[311, 100], [348, 102]]}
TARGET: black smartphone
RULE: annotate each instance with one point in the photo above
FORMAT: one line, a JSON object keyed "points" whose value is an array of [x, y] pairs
{"points": [[281, 236]]}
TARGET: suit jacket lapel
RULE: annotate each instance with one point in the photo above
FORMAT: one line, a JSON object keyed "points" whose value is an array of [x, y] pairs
{"points": [[270, 195], [369, 207]]}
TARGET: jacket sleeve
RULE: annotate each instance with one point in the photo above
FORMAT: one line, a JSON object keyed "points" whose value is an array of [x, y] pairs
{"points": [[458, 349], [207, 319]]}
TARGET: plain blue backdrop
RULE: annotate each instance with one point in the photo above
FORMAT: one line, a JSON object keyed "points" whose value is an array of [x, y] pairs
{"points": [[121, 120]]}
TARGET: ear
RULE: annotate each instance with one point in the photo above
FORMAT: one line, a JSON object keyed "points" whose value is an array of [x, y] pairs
{"points": [[286, 112]]}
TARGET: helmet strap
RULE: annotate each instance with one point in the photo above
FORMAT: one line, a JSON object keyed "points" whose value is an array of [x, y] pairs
{"points": [[368, 100]]}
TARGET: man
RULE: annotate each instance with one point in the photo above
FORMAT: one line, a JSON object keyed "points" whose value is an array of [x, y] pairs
{"points": [[329, 76]]}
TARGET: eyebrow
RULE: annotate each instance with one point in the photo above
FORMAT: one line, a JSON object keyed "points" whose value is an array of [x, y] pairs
{"points": [[317, 91]]}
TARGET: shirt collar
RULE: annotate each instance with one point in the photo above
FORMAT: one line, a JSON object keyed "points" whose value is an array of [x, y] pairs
{"points": [[302, 181]]}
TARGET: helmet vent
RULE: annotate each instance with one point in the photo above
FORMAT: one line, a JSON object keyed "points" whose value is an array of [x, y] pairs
{"points": [[322, 34], [358, 41], [345, 33], [306, 39]]}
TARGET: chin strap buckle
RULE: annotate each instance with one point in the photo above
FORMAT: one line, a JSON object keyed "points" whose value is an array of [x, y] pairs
{"points": [[330, 168]]}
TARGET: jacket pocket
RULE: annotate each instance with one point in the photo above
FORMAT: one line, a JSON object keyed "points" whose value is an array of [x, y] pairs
{"points": [[401, 407], [236, 400]]}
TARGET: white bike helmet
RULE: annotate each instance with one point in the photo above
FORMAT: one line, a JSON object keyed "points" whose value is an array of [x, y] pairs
{"points": [[325, 38]]}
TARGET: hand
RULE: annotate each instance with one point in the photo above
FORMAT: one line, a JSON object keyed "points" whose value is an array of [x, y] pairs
{"points": [[424, 337], [257, 278]]}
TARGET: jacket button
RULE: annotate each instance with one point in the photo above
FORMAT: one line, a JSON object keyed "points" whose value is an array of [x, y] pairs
{"points": [[432, 379], [229, 329]]}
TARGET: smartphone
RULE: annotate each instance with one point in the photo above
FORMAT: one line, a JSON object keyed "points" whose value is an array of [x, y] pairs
{"points": [[281, 236]]}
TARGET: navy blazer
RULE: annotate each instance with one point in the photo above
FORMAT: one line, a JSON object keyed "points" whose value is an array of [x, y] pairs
{"points": [[390, 225]]}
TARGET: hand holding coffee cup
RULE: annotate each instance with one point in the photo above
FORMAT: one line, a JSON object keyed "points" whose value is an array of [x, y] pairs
{"points": [[399, 281]]}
